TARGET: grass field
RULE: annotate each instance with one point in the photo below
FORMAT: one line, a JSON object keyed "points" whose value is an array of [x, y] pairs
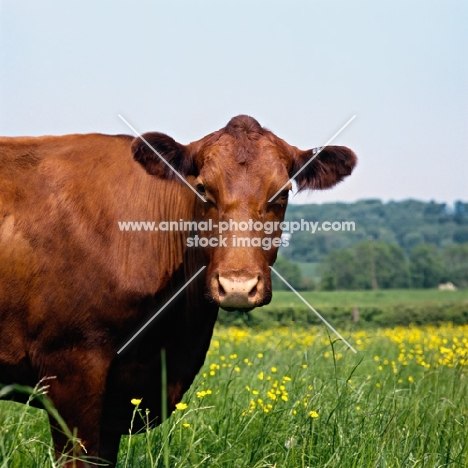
{"points": [[375, 309], [389, 297], [295, 397]]}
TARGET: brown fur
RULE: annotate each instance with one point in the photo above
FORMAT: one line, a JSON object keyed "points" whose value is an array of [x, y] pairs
{"points": [[73, 288]]}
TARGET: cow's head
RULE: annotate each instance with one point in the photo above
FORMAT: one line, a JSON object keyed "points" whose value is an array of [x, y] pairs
{"points": [[238, 170]]}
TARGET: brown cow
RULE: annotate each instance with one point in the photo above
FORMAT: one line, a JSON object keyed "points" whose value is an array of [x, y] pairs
{"points": [[74, 287]]}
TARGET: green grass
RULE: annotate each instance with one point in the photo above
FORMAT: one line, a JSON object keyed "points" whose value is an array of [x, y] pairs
{"points": [[389, 297], [383, 308], [291, 397]]}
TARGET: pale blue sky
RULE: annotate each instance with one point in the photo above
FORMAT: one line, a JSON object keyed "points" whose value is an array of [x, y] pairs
{"points": [[302, 68]]}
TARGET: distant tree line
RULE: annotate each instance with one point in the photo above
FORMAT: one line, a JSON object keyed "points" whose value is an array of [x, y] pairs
{"points": [[405, 224], [379, 265], [395, 245]]}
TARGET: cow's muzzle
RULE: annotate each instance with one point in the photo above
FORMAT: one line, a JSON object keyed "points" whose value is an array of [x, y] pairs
{"points": [[234, 290]]}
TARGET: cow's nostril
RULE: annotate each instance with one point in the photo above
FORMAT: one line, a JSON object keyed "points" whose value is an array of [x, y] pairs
{"points": [[253, 291], [221, 290]]}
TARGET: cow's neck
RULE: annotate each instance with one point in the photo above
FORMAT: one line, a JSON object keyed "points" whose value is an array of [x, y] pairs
{"points": [[148, 259]]}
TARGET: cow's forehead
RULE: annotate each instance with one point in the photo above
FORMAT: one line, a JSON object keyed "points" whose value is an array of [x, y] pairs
{"points": [[250, 151], [243, 159]]}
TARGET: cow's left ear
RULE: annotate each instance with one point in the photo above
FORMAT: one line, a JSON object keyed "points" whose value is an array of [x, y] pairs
{"points": [[151, 148], [330, 166]]}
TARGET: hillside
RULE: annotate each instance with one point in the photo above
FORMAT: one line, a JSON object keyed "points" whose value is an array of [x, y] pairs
{"points": [[406, 223]]}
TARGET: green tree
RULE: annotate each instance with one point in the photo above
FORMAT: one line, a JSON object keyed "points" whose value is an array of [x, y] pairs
{"points": [[340, 270], [385, 265], [369, 264], [456, 264], [290, 271], [411, 240], [460, 234], [426, 266], [327, 283], [460, 214]]}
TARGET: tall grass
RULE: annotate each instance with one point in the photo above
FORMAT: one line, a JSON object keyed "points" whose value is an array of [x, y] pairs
{"points": [[22, 421], [299, 398]]}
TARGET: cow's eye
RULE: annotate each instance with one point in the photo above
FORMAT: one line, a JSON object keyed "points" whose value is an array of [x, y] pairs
{"points": [[282, 198], [201, 189]]}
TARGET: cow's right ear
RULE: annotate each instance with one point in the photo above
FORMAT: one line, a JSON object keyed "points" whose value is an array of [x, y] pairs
{"points": [[161, 155]]}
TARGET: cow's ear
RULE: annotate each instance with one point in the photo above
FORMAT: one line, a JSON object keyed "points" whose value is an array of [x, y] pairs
{"points": [[161, 155], [327, 166]]}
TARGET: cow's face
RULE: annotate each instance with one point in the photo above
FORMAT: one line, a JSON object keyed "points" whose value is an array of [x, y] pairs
{"points": [[238, 170]]}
